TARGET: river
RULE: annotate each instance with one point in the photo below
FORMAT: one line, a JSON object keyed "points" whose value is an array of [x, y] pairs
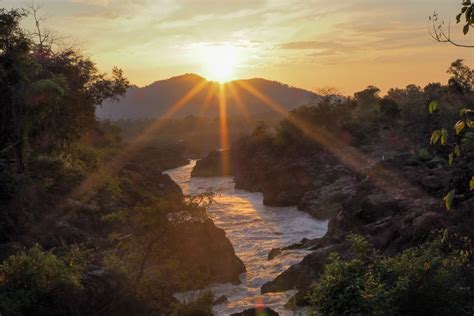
{"points": [[253, 229]]}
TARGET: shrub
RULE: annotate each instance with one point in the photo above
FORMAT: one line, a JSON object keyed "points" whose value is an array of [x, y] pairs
{"points": [[54, 176], [84, 157], [423, 155], [36, 282], [425, 280]]}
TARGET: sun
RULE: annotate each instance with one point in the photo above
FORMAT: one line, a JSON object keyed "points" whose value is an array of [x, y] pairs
{"points": [[220, 62]]}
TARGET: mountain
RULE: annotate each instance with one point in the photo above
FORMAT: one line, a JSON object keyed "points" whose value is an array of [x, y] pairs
{"points": [[156, 99]]}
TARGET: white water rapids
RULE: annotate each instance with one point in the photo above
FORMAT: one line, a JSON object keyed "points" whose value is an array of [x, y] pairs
{"points": [[253, 229]]}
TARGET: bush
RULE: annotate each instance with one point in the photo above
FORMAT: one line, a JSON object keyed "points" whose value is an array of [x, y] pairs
{"points": [[423, 155], [84, 157], [425, 280], [54, 176], [36, 282]]}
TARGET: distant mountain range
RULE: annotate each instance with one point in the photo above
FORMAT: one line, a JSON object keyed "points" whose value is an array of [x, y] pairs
{"points": [[156, 99]]}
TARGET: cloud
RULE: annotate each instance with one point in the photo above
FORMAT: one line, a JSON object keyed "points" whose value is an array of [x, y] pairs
{"points": [[285, 40], [103, 3], [313, 45]]}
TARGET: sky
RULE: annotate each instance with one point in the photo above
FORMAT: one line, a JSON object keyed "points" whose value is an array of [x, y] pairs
{"points": [[311, 44]]}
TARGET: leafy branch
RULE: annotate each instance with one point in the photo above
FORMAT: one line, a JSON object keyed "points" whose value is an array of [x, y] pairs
{"points": [[437, 28], [441, 136]]}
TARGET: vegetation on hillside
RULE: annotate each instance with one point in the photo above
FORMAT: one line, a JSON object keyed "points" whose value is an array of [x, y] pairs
{"points": [[113, 250], [426, 280]]}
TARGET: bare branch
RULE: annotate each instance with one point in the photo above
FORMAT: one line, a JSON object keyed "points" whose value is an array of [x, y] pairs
{"points": [[438, 33], [46, 38]]}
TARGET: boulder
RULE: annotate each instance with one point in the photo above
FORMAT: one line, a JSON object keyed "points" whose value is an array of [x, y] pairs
{"points": [[275, 252], [204, 246], [325, 201], [215, 164], [301, 275]]}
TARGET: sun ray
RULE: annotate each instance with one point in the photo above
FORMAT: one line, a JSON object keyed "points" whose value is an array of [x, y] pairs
{"points": [[224, 131], [116, 163], [266, 100], [240, 104], [207, 101], [382, 177]]}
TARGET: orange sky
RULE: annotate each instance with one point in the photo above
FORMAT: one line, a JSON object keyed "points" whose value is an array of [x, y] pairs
{"points": [[309, 44]]}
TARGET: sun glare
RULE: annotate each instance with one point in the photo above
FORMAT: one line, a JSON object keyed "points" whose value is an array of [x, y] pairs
{"points": [[220, 62]]}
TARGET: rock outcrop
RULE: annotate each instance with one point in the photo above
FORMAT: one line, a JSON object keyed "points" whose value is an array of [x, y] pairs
{"points": [[204, 246], [392, 218], [215, 164], [275, 252]]}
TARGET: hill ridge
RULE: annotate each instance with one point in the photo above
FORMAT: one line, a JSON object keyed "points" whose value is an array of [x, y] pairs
{"points": [[155, 99]]}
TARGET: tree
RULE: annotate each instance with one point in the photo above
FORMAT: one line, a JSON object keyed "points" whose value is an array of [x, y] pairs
{"points": [[48, 97], [146, 256], [389, 108], [328, 95], [367, 100], [15, 69], [461, 76]]}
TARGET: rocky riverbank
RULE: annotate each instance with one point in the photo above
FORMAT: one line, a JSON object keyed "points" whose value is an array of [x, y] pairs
{"points": [[395, 203], [199, 245]]}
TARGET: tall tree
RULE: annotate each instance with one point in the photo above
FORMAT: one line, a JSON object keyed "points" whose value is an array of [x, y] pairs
{"points": [[462, 76], [48, 97]]}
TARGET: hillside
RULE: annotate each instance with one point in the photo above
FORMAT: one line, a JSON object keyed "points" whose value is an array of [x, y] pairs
{"points": [[154, 100]]}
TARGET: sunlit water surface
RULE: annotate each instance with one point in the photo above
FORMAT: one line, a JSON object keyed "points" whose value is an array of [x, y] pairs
{"points": [[253, 229]]}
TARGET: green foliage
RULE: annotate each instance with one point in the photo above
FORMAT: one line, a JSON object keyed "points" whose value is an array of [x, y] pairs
{"points": [[467, 10], [433, 106], [448, 199], [36, 282], [459, 126], [202, 306], [49, 97], [462, 77], [427, 280], [53, 175], [423, 155], [84, 157]]}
